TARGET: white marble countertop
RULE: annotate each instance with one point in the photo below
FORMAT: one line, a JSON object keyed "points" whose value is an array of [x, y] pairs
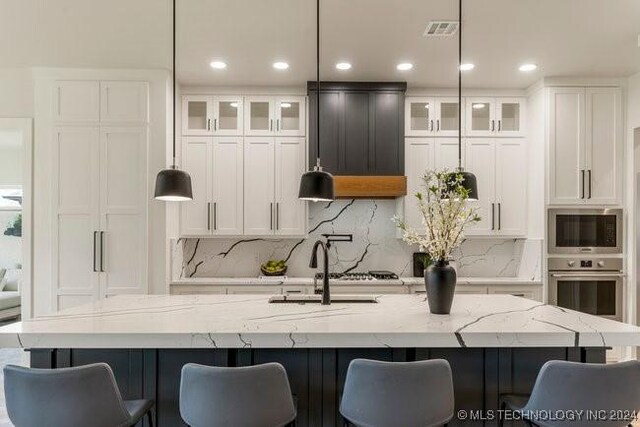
{"points": [[307, 281], [241, 321]]}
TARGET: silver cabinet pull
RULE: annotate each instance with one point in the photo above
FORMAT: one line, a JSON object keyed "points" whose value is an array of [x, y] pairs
{"points": [[95, 241], [589, 183], [493, 125], [499, 216], [271, 216], [208, 215], [208, 124], [582, 183], [215, 215], [493, 220], [102, 251]]}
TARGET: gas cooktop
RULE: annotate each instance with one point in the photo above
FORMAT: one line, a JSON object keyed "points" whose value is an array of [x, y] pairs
{"points": [[361, 276]]}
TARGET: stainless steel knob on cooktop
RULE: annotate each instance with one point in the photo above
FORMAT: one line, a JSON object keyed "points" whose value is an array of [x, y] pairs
{"points": [[600, 263], [571, 263]]}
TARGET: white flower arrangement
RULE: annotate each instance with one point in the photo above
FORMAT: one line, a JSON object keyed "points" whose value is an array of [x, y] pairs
{"points": [[445, 215]]}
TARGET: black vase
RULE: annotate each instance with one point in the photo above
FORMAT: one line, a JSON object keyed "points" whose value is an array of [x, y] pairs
{"points": [[440, 281]]}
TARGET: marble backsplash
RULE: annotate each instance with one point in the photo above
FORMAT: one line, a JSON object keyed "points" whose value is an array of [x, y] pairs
{"points": [[375, 246]]}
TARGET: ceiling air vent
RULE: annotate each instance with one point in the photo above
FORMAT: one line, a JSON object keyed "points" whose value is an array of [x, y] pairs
{"points": [[441, 28]]}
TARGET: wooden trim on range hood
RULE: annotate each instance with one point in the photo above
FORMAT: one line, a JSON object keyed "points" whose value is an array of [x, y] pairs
{"points": [[369, 187]]}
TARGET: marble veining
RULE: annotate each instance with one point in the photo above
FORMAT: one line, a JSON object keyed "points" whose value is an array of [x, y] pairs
{"points": [[249, 321], [375, 246]]}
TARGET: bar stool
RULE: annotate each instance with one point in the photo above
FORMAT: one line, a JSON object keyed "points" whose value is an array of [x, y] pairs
{"points": [[252, 396], [570, 386], [69, 397], [389, 394]]}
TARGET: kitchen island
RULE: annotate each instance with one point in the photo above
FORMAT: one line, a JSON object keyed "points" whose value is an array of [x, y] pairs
{"points": [[494, 343]]}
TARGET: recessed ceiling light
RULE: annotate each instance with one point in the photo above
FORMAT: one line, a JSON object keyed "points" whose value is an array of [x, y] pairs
{"points": [[218, 65], [343, 66], [285, 105], [478, 106], [528, 67], [467, 67], [280, 65], [404, 66]]}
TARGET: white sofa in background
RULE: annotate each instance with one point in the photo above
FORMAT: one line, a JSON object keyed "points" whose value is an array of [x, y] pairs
{"points": [[10, 293]]}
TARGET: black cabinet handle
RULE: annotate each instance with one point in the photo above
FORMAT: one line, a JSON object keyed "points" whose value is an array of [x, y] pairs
{"points": [[431, 129], [499, 125], [215, 124], [582, 180], [493, 125], [278, 125], [438, 125], [208, 124], [95, 241], [499, 217], [102, 251], [277, 216], [208, 215], [215, 215], [270, 124], [271, 216], [589, 183], [493, 219]]}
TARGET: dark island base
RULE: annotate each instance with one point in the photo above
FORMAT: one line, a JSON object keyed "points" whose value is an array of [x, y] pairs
{"points": [[317, 375]]}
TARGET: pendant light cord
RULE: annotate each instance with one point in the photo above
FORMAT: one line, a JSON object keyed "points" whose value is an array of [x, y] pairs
{"points": [[460, 84], [318, 82], [173, 125]]}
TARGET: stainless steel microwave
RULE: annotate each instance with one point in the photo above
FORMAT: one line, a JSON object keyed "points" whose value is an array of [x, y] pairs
{"points": [[585, 231]]}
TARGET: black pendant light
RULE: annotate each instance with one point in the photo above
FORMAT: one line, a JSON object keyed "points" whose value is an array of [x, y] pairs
{"points": [[469, 181], [317, 185], [173, 185]]}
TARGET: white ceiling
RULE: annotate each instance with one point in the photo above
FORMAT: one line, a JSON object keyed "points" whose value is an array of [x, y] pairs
{"points": [[587, 38]]}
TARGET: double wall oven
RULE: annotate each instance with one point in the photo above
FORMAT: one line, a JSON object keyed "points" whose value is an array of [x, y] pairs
{"points": [[586, 260]]}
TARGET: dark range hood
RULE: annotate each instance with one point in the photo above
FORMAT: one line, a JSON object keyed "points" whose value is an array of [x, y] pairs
{"points": [[362, 137]]}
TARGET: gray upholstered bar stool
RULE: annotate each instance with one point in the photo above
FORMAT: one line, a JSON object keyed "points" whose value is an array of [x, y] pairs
{"points": [[390, 394], [252, 396], [570, 386], [69, 397]]}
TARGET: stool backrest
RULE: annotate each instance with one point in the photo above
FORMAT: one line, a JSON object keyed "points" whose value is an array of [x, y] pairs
{"points": [[572, 386], [66, 397], [404, 394], [249, 396]]}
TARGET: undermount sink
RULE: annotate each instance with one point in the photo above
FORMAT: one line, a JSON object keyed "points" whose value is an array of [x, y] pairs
{"points": [[317, 299]]}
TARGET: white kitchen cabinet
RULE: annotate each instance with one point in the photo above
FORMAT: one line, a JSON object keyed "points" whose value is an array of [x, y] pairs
{"points": [[419, 157], [275, 116], [99, 213], [290, 211], [446, 153], [368, 290], [533, 292], [501, 172], [585, 146], [272, 170], [216, 168], [495, 117], [76, 101], [124, 102], [205, 115], [431, 116], [254, 290]]}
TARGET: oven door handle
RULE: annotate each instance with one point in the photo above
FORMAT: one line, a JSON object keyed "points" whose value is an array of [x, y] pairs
{"points": [[587, 276]]}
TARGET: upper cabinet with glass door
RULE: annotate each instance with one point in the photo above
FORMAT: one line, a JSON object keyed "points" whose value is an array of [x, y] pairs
{"points": [[495, 117], [268, 115], [427, 116], [204, 115]]}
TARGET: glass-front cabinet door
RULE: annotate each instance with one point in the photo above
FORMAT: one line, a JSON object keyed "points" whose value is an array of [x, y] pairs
{"points": [[290, 116], [259, 117], [197, 115], [228, 115], [510, 116], [447, 112], [419, 117], [480, 117]]}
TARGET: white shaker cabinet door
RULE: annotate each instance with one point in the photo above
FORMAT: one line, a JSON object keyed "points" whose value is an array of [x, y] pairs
{"points": [[259, 116], [418, 159], [291, 115], [259, 192], [75, 209], [123, 211], [227, 115], [124, 102], [567, 146], [195, 215], [76, 102], [197, 115], [446, 153], [290, 212], [603, 179], [511, 187], [481, 162], [227, 185]]}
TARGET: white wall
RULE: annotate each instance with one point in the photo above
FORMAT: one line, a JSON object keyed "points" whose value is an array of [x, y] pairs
{"points": [[16, 92]]}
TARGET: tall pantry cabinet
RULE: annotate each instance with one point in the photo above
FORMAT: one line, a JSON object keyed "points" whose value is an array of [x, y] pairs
{"points": [[98, 190]]}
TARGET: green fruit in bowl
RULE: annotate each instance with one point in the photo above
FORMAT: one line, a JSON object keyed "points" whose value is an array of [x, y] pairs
{"points": [[274, 267]]}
